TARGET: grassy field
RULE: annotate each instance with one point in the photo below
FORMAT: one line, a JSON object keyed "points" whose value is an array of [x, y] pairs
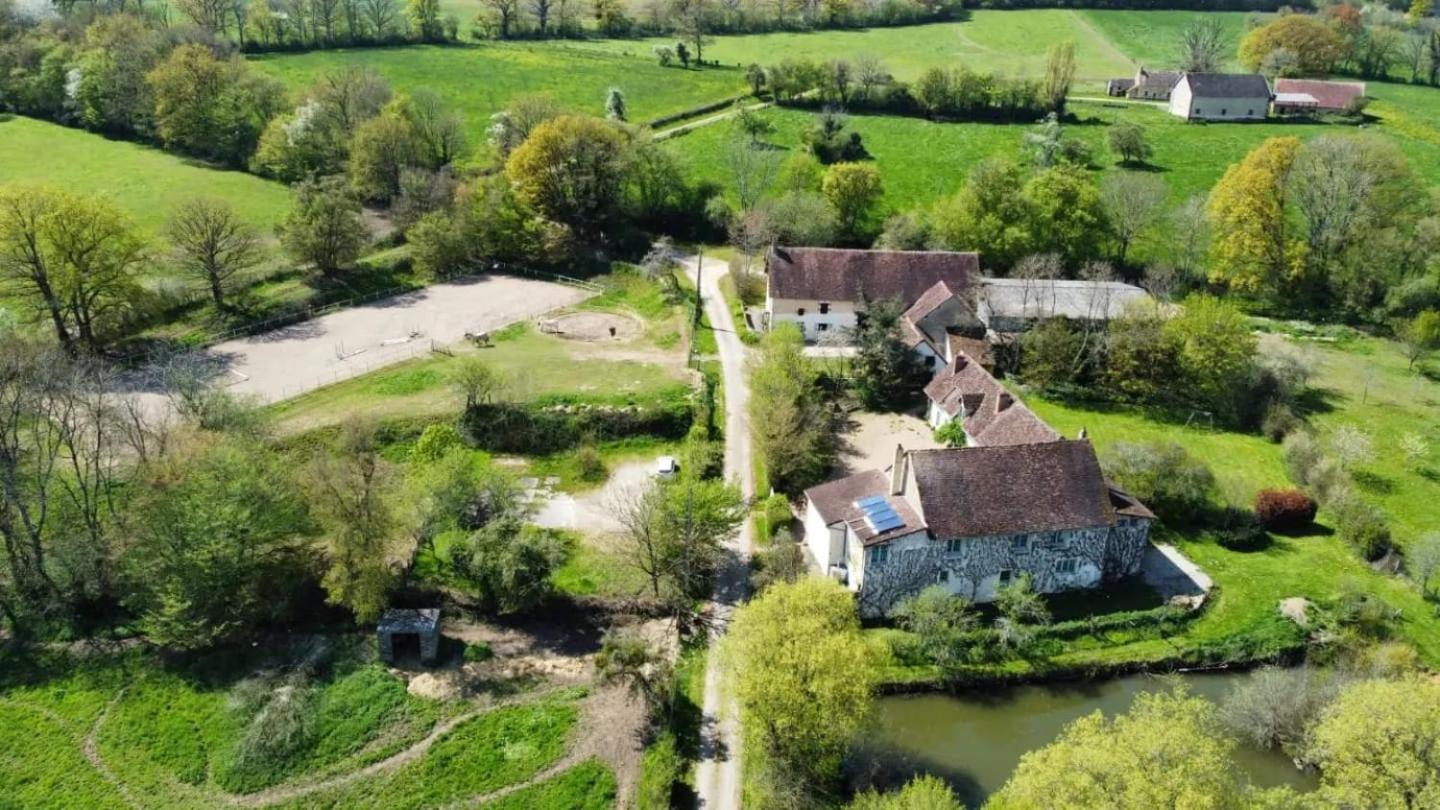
{"points": [[1010, 42], [1189, 157], [1152, 38], [479, 80], [146, 183]]}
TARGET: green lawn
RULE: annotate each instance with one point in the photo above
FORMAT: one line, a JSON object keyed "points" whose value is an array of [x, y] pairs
{"points": [[479, 80], [1152, 38], [146, 183], [1365, 383], [1189, 157], [1010, 42], [1319, 564]]}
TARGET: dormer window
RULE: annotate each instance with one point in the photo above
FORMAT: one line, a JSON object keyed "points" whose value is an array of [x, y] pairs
{"points": [[824, 307]]}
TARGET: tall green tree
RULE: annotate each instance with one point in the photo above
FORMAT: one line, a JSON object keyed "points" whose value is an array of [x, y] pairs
{"points": [[324, 225], [211, 107], [791, 424], [353, 492], [989, 213], [854, 191], [1168, 750], [804, 681], [1253, 249], [571, 169], [1375, 745], [888, 373], [218, 545]]}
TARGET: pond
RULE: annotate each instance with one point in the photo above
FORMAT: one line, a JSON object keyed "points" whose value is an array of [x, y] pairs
{"points": [[975, 740]]}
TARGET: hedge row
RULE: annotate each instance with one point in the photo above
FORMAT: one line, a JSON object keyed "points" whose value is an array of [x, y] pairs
{"points": [[547, 427]]}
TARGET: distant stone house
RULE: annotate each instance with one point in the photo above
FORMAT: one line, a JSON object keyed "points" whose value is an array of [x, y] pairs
{"points": [[1303, 96], [1119, 88], [1152, 85], [825, 290], [973, 520], [1221, 97]]}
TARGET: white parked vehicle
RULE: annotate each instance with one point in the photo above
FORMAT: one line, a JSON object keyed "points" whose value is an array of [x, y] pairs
{"points": [[667, 467]]}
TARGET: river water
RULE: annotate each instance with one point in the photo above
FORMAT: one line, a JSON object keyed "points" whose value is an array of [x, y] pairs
{"points": [[975, 740]]}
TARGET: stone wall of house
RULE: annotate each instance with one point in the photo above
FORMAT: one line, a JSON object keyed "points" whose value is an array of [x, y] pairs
{"points": [[973, 567]]}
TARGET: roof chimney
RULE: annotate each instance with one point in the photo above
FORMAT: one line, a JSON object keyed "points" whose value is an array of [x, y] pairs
{"points": [[1084, 434], [899, 471]]}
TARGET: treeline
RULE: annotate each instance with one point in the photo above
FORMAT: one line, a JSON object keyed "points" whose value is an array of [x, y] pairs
{"points": [[509, 19], [1371, 40], [953, 94], [200, 529], [1141, 5]]}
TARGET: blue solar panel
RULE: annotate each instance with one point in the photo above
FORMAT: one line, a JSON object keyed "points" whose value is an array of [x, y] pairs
{"points": [[879, 513], [887, 524]]}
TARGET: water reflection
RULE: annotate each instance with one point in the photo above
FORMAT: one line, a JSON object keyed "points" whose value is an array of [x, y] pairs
{"points": [[975, 740]]}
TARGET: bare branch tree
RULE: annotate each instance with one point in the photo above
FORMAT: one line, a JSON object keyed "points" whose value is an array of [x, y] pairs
{"points": [[213, 243]]}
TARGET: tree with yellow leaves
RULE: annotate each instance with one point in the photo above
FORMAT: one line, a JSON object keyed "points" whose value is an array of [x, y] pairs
{"points": [[1253, 249]]}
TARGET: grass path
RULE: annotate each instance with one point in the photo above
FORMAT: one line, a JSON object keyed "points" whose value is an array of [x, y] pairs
{"points": [[1099, 38], [90, 748], [290, 792]]}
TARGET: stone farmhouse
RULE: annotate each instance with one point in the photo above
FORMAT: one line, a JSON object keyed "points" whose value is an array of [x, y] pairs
{"points": [[950, 307], [1221, 97], [975, 519], [1307, 96], [824, 290], [1147, 85]]}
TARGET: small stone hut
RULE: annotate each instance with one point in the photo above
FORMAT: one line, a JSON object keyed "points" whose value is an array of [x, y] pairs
{"points": [[423, 623]]}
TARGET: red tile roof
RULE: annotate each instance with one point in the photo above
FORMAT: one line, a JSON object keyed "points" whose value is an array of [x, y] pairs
{"points": [[1330, 95]]}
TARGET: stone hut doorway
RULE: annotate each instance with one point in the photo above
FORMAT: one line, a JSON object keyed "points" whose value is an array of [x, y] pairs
{"points": [[409, 630]]}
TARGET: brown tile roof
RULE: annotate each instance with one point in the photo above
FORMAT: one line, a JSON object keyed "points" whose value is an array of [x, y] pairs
{"points": [[989, 491], [831, 274], [1126, 504], [977, 349], [929, 301], [1330, 95], [992, 415], [835, 501]]}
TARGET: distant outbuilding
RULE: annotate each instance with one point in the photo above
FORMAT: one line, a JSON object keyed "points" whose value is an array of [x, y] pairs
{"points": [[1324, 96], [422, 623]]}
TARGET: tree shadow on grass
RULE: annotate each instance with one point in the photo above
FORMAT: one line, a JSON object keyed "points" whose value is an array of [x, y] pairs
{"points": [[1373, 482]]}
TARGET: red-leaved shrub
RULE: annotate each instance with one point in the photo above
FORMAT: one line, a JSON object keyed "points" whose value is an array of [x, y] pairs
{"points": [[1283, 510]]}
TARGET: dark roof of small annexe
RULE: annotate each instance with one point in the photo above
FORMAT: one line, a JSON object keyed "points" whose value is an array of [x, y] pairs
{"points": [[1329, 95], [1159, 78], [1228, 85], [1014, 489], [835, 501], [410, 620], [835, 274]]}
